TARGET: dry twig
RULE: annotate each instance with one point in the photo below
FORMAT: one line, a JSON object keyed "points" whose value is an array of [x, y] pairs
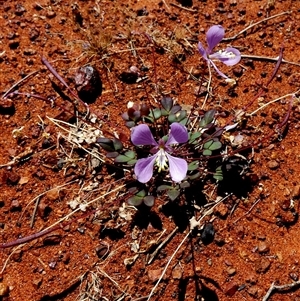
{"points": [[254, 24], [280, 288]]}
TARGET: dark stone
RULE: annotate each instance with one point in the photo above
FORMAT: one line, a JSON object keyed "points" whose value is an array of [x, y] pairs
{"points": [[88, 83]]}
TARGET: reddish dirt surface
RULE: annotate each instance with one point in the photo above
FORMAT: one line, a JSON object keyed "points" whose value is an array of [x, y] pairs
{"points": [[43, 170]]}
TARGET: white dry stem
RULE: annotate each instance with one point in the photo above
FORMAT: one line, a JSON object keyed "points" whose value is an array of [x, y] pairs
{"points": [[87, 204], [208, 87], [7, 259], [273, 101], [18, 83], [180, 245], [254, 24], [77, 143], [43, 193], [280, 288], [266, 58]]}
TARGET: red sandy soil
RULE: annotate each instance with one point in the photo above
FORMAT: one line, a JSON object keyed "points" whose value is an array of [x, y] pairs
{"points": [[43, 170]]}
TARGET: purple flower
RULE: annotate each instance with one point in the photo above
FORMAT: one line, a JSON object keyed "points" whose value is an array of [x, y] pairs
{"points": [[230, 56], [141, 135]]}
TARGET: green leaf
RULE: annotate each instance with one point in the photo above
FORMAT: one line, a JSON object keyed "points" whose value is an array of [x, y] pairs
{"points": [[178, 117], [164, 112], [130, 124], [172, 118], [122, 159], [156, 113], [141, 193], [184, 121], [215, 145], [175, 109], [207, 118], [117, 144], [193, 165], [173, 194], [167, 103], [207, 152], [132, 162], [195, 176], [181, 115], [212, 145], [106, 144], [194, 136], [130, 154], [218, 175], [149, 200], [135, 200], [163, 187], [112, 154], [185, 184]]}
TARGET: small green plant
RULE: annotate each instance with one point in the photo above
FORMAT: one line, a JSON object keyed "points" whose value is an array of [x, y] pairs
{"points": [[170, 150]]}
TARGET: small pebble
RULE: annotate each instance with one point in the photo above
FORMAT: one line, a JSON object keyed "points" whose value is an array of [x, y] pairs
{"points": [[262, 34], [33, 34], [15, 206], [219, 240], [19, 9], [40, 174], [53, 195], [230, 289], [50, 14], [102, 251], [177, 272], [52, 264], [81, 230], [154, 275], [253, 291], [294, 276], [17, 256], [13, 178], [285, 204], [273, 164], [238, 71], [7, 106], [29, 51], [43, 208], [37, 282], [262, 265], [263, 247], [240, 231], [231, 271]]}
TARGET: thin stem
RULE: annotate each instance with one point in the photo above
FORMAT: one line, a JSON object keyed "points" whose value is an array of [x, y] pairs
{"points": [[254, 24], [179, 246], [274, 287], [56, 225], [17, 83], [208, 87], [270, 59], [273, 101]]}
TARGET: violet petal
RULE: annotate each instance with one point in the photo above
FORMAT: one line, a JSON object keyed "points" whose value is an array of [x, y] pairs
{"points": [[143, 169], [202, 51], [178, 134], [141, 135], [219, 72], [178, 168], [214, 36], [236, 57]]}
